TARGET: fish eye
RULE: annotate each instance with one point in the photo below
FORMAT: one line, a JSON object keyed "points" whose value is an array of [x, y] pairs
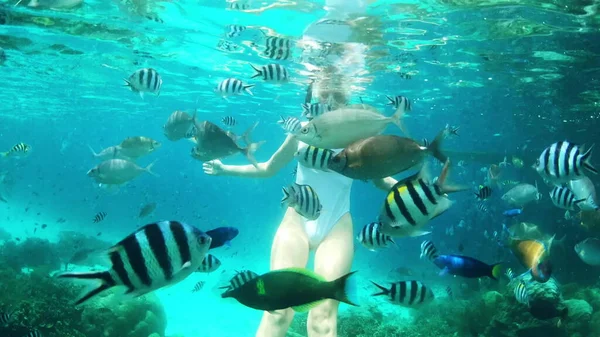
{"points": [[304, 130]]}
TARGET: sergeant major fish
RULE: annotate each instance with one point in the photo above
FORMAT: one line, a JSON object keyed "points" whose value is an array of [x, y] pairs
{"points": [[209, 264], [156, 255], [144, 80], [371, 237], [271, 73], [212, 142], [239, 279], [406, 293], [313, 157], [564, 161], [303, 199], [290, 124], [18, 150], [233, 86]]}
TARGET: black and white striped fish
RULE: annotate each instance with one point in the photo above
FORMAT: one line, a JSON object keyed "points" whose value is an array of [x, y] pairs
{"points": [[20, 149], [234, 30], [233, 86], [99, 217], [449, 292], [6, 317], [156, 255], [371, 238], [314, 157], [303, 199], [278, 48], [239, 5], [34, 333], [521, 293], [482, 206], [228, 120], [239, 279], [510, 273], [144, 80], [484, 192], [198, 286], [412, 202], [312, 110], [209, 264], [425, 142], [564, 198], [399, 101], [290, 124], [428, 250], [407, 293], [563, 162], [271, 73]]}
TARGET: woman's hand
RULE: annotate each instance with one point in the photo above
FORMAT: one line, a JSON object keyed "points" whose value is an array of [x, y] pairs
{"points": [[213, 167]]}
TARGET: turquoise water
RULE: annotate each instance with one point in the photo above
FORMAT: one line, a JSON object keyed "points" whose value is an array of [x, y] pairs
{"points": [[515, 76]]}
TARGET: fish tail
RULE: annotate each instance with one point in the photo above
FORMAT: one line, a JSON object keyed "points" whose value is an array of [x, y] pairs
{"points": [[435, 146], [391, 100], [149, 169], [258, 71], [252, 147], [247, 87], [346, 289], [93, 152], [286, 196], [397, 117], [496, 270], [305, 109], [384, 290], [443, 185], [104, 276], [128, 84], [4, 154], [585, 159]]}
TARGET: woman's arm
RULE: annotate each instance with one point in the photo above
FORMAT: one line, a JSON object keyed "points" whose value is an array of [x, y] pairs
{"points": [[278, 160], [385, 184]]}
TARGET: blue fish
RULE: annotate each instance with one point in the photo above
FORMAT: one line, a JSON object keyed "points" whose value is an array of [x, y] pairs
{"points": [[222, 236], [512, 212], [466, 267]]}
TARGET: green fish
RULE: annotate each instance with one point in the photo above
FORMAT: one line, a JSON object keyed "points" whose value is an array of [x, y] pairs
{"points": [[296, 288]]}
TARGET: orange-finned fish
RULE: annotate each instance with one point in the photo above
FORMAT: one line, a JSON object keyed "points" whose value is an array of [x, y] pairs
{"points": [[533, 255]]}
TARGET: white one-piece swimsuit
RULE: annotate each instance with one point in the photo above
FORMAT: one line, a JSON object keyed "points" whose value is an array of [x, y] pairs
{"points": [[333, 190]]}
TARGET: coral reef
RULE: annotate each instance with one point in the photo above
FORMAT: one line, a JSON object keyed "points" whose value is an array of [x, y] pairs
{"points": [[31, 253]]}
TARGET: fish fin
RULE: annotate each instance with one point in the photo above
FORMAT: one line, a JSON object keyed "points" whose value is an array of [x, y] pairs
{"points": [[286, 196], [399, 114], [419, 233], [345, 289], [384, 290], [391, 100], [228, 243], [585, 159], [4, 154], [307, 307], [435, 147], [141, 94], [496, 271], [305, 109], [302, 271], [441, 182], [149, 169], [247, 87], [258, 71], [104, 277], [93, 152], [252, 147], [444, 271]]}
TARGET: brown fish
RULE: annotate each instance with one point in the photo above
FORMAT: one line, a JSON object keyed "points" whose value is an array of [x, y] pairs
{"points": [[384, 156], [212, 142]]}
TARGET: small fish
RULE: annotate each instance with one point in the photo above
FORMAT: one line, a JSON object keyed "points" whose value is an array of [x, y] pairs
{"points": [[137, 147], [180, 125], [222, 236], [484, 192], [511, 213], [6, 317], [99, 217], [466, 266], [303, 199], [44, 226], [147, 209], [425, 142], [399, 101], [199, 285], [271, 73], [277, 48], [239, 5], [510, 273], [522, 195], [371, 238], [564, 161], [18, 150], [34, 333], [290, 124], [297, 288], [156, 255], [521, 293], [117, 171], [209, 264], [312, 110], [564, 198], [428, 250], [406, 293], [313, 157], [482, 206], [235, 30], [233, 86], [239, 279], [588, 251], [144, 80], [517, 162], [449, 292], [461, 248], [584, 189], [228, 120]]}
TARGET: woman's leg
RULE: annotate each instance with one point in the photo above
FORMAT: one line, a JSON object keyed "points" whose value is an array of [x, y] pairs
{"points": [[333, 259], [290, 249]]}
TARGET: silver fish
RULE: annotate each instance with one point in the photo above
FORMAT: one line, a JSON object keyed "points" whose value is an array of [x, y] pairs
{"points": [[138, 146], [522, 195], [117, 171], [178, 125], [588, 251]]}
